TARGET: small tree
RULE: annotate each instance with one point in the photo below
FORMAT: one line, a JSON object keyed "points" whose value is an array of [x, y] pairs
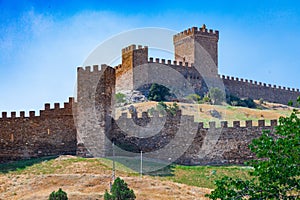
{"points": [[158, 92], [59, 195], [119, 191], [276, 172], [216, 96]]}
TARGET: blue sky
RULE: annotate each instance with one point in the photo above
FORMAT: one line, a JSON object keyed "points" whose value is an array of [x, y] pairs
{"points": [[43, 42]]}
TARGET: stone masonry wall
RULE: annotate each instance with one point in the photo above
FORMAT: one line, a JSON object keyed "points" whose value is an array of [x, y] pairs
{"points": [[242, 88], [249, 88], [51, 133], [229, 143]]}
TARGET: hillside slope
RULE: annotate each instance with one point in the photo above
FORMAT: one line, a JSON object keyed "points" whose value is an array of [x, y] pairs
{"points": [[86, 179], [202, 112]]}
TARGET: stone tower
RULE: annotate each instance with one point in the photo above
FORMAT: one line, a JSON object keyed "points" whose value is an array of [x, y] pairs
{"points": [[198, 46], [94, 108], [131, 57]]}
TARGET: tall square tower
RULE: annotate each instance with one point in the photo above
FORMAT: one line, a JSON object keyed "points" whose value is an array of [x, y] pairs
{"points": [[197, 46]]}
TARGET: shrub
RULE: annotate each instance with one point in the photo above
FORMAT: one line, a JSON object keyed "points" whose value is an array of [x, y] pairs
{"points": [[120, 98], [249, 103], [120, 191], [236, 101], [163, 108], [216, 96], [205, 99], [158, 92], [194, 97], [59, 195], [173, 109]]}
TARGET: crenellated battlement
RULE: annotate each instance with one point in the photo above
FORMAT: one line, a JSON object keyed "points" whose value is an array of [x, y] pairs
{"points": [[196, 31], [57, 110], [132, 47], [242, 80], [145, 116], [95, 68], [169, 62]]}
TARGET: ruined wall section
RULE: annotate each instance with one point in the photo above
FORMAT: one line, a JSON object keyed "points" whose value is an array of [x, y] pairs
{"points": [[50, 133], [94, 108], [231, 146], [248, 88]]}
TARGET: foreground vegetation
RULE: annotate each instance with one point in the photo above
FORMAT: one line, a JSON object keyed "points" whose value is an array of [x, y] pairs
{"points": [[276, 173]]}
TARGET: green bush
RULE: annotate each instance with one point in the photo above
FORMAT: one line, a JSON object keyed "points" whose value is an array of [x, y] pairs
{"points": [[216, 95], [163, 108], [236, 101], [119, 191], [194, 97], [205, 99], [158, 92], [120, 98], [276, 172], [59, 195]]}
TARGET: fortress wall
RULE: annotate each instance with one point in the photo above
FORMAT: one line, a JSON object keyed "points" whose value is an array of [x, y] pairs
{"points": [[51, 133], [186, 71], [230, 146], [256, 90]]}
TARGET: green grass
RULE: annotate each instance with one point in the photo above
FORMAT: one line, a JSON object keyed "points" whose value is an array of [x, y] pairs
{"points": [[21, 165], [201, 176], [204, 176]]}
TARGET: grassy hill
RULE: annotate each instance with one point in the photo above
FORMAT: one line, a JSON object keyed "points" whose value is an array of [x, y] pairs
{"points": [[84, 178], [202, 112]]}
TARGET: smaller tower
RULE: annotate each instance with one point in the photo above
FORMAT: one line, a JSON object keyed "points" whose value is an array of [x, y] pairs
{"points": [[131, 57]]}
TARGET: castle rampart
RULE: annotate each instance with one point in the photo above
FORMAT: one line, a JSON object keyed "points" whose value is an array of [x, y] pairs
{"points": [[256, 90], [231, 146], [50, 133]]}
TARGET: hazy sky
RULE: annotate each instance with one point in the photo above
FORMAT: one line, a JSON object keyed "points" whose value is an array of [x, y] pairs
{"points": [[43, 42]]}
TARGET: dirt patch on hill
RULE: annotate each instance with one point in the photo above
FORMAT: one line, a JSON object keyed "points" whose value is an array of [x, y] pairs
{"points": [[84, 180]]}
